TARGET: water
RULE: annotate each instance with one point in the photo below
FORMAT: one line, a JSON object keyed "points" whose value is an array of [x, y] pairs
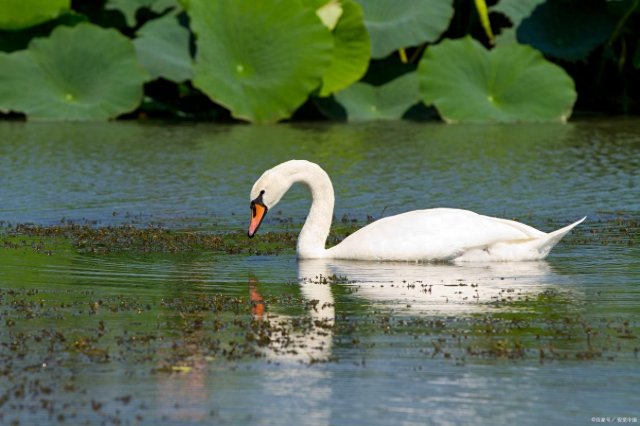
{"points": [[203, 173], [175, 338]]}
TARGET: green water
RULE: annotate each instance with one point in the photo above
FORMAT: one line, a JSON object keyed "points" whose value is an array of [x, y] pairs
{"points": [[206, 336]]}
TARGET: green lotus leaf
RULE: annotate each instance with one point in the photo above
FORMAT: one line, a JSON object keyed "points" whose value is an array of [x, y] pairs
{"points": [[516, 10], [10, 41], [162, 46], [80, 73], [567, 30], [506, 36], [467, 83], [395, 24], [129, 8], [18, 14], [259, 58], [351, 50], [363, 101]]}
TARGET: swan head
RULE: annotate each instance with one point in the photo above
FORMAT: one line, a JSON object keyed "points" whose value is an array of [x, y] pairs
{"points": [[265, 194]]}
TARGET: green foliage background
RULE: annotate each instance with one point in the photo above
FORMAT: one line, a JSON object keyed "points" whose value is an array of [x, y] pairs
{"points": [[271, 60]]}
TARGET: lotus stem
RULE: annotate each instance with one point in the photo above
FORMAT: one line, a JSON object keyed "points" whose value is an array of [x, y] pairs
{"points": [[403, 56], [483, 13]]}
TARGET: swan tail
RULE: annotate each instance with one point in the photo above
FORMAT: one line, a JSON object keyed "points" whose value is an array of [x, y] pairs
{"points": [[544, 244], [518, 250]]}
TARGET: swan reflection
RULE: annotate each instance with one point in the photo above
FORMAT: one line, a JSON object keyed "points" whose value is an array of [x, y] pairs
{"points": [[305, 339], [436, 288], [404, 288]]}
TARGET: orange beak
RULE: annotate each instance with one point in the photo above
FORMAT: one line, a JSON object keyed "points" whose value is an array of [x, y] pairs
{"points": [[258, 211]]}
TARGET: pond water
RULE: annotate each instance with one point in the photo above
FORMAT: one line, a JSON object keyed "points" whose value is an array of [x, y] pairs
{"points": [[105, 333]]}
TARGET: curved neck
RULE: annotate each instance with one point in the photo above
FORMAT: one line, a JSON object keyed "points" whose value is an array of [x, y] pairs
{"points": [[313, 237]]}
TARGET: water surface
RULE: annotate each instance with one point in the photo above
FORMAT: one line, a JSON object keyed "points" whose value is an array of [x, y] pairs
{"points": [[202, 337]]}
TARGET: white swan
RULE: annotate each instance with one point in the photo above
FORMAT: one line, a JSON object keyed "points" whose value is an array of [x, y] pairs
{"points": [[440, 234]]}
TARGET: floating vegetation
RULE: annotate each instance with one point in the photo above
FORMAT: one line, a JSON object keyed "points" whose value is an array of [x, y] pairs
{"points": [[56, 341], [127, 238], [617, 229], [48, 338], [612, 228], [177, 331]]}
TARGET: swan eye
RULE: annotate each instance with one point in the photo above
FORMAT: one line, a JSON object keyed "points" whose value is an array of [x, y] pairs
{"points": [[257, 202]]}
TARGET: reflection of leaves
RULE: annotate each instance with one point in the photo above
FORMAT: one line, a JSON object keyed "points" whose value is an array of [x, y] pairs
{"points": [[351, 50], [567, 29], [394, 24], [365, 102], [465, 82], [129, 8], [163, 49], [259, 58], [35, 253], [79, 73], [18, 14]]}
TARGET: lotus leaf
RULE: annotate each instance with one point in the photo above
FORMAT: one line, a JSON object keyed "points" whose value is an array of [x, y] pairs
{"points": [[363, 101], [567, 30], [259, 58], [163, 49], [351, 50], [129, 8], [467, 83], [11, 41], [18, 14], [516, 10], [80, 73], [395, 24]]}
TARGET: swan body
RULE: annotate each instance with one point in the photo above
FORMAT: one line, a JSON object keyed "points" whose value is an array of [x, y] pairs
{"points": [[431, 235]]}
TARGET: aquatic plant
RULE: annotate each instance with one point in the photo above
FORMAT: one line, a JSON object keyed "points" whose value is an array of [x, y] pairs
{"points": [[259, 59], [466, 82], [18, 14], [79, 73], [262, 61]]}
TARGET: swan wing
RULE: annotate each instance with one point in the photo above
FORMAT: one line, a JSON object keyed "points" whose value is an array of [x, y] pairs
{"points": [[430, 235]]}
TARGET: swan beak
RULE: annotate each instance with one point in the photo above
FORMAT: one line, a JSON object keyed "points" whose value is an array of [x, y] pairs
{"points": [[258, 211]]}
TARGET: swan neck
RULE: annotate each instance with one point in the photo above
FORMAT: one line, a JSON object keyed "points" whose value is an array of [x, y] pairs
{"points": [[313, 237]]}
